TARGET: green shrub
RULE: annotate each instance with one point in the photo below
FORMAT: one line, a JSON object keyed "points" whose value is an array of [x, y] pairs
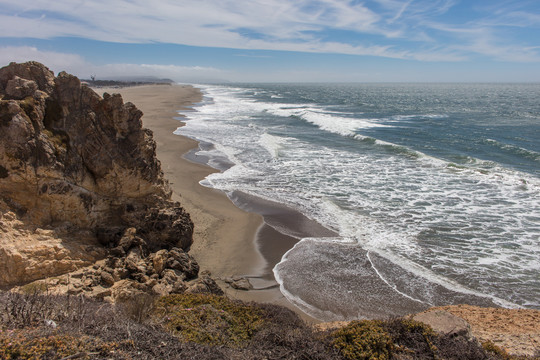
{"points": [[412, 337], [209, 319], [364, 339]]}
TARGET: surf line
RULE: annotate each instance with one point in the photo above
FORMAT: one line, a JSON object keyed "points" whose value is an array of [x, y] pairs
{"points": [[393, 287]]}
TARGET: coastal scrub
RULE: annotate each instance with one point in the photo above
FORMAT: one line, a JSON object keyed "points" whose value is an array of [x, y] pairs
{"points": [[209, 319], [364, 339]]}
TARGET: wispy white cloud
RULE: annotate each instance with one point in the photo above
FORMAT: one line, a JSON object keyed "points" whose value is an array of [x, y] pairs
{"points": [[480, 39], [388, 28]]}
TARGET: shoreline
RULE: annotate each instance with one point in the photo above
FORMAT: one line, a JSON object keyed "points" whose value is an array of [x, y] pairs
{"points": [[238, 235], [232, 236]]}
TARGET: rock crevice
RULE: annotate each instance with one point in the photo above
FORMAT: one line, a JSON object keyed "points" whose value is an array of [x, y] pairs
{"points": [[74, 160]]}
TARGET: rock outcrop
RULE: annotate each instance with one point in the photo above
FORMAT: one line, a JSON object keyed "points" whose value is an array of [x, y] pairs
{"points": [[79, 173], [28, 252]]}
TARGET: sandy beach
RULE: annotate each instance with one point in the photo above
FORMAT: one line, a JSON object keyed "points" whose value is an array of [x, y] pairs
{"points": [[228, 241]]}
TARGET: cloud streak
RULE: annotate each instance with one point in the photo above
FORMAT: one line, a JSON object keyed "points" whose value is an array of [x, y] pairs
{"points": [[404, 29]]}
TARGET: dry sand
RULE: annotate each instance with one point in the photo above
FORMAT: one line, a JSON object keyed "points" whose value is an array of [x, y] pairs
{"points": [[225, 238]]}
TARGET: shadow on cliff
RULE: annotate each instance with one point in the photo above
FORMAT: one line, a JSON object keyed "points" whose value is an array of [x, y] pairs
{"points": [[80, 171]]}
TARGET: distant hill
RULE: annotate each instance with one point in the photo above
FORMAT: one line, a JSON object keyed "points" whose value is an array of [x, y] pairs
{"points": [[124, 82]]}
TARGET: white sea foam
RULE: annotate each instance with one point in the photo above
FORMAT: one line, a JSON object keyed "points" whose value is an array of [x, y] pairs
{"points": [[272, 144], [329, 121], [459, 223]]}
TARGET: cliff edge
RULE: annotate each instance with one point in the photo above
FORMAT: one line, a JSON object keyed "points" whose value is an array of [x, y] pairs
{"points": [[80, 183]]}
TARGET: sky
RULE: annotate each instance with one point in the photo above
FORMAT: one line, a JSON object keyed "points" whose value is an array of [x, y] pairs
{"points": [[195, 41]]}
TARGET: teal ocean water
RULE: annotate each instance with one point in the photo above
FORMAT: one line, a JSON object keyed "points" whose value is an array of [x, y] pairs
{"points": [[434, 189]]}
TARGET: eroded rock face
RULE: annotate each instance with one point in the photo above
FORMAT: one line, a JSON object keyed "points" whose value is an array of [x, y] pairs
{"points": [[29, 253], [72, 158], [120, 278]]}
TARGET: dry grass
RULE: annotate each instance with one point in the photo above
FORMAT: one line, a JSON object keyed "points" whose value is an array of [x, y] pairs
{"points": [[41, 326]]}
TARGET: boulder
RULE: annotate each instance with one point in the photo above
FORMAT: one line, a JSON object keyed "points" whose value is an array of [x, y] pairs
{"points": [[204, 285], [445, 323], [19, 89], [239, 283]]}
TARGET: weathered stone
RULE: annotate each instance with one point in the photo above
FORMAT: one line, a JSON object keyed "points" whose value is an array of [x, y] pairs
{"points": [[181, 261], [444, 323], [151, 282], [170, 276], [19, 89], [159, 260], [126, 290], [130, 240], [135, 264], [107, 278], [99, 292], [76, 274], [28, 254], [120, 273], [242, 284], [72, 290], [161, 289], [89, 281], [205, 284]]}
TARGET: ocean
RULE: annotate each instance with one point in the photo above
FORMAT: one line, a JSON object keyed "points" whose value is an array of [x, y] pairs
{"points": [[432, 190]]}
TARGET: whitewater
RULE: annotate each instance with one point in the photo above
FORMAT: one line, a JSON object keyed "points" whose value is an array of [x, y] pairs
{"points": [[432, 189]]}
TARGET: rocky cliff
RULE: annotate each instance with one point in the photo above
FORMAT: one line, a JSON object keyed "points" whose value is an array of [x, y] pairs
{"points": [[79, 182]]}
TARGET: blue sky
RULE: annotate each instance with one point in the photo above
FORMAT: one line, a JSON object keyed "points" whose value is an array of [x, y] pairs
{"points": [[278, 40]]}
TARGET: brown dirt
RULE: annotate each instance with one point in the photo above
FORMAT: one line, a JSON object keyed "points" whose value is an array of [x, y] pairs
{"points": [[515, 330]]}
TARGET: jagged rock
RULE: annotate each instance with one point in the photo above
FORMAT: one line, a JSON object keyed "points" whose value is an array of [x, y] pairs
{"points": [[18, 88], [134, 262], [170, 276], [120, 274], [158, 261], [84, 166], [204, 285], [70, 155], [71, 159], [130, 240], [166, 226], [181, 261], [125, 290], [29, 70]]}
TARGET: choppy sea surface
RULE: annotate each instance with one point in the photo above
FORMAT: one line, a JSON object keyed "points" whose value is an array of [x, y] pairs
{"points": [[434, 189]]}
